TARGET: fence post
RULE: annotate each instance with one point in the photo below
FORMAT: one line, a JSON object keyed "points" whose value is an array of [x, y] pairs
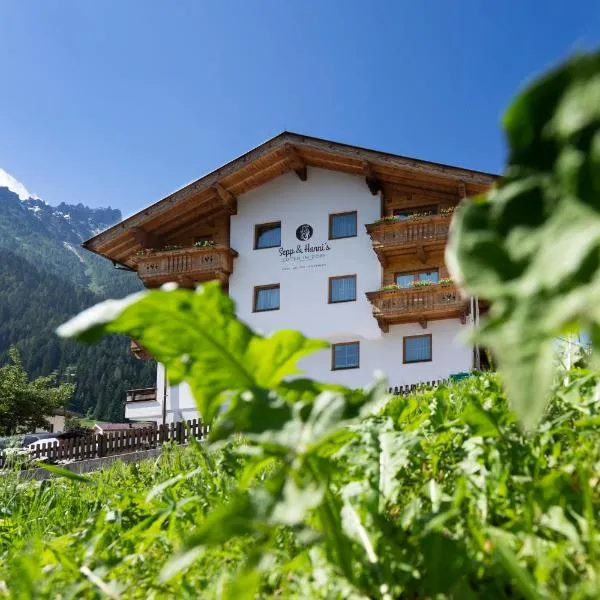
{"points": [[179, 432], [101, 445]]}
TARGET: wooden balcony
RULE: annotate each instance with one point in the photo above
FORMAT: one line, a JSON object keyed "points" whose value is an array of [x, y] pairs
{"points": [[141, 395], [411, 236], [187, 267], [422, 304]]}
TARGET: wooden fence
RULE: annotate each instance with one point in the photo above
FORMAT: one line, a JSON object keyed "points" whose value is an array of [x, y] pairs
{"points": [[413, 388], [110, 443]]}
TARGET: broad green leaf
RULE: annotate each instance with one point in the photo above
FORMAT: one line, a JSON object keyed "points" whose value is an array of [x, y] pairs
{"points": [[481, 421], [521, 578], [397, 448], [531, 245], [356, 531], [296, 501], [197, 336]]}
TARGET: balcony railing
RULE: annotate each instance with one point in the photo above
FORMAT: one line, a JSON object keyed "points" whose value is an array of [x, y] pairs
{"points": [[187, 266], [142, 395], [422, 304], [408, 236]]}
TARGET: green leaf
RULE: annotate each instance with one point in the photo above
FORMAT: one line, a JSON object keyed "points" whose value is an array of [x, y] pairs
{"points": [[531, 245], [520, 577], [62, 472], [397, 450], [197, 336], [482, 423], [356, 531]]}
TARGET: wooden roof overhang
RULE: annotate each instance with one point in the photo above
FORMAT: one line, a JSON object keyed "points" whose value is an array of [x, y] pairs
{"points": [[216, 193]]}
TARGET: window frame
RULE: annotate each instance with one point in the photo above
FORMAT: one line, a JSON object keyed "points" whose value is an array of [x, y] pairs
{"points": [[329, 288], [342, 214], [334, 346], [257, 229], [409, 337], [416, 272], [258, 288]]}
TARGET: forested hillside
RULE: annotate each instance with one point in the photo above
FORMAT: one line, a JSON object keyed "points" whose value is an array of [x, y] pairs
{"points": [[45, 278]]}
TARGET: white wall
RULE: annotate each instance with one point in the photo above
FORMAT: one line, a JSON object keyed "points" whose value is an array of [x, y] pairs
{"points": [[304, 281], [304, 286]]}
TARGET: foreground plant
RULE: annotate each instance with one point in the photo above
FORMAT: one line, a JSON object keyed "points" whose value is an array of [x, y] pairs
{"points": [[439, 494], [342, 493], [531, 244]]}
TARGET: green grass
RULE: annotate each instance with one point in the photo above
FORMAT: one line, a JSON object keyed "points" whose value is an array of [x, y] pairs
{"points": [[475, 509]]}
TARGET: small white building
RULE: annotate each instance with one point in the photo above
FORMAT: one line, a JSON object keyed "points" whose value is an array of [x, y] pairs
{"points": [[341, 243]]}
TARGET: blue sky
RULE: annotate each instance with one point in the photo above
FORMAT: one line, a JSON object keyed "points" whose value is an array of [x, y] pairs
{"points": [[119, 102]]}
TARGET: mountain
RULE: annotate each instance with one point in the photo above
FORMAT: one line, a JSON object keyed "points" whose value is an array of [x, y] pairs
{"points": [[45, 278]]}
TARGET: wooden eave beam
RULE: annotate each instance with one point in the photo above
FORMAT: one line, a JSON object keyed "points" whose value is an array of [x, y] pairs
{"points": [[296, 163], [146, 239], [227, 198], [183, 230], [351, 156], [462, 190], [184, 217], [373, 182]]}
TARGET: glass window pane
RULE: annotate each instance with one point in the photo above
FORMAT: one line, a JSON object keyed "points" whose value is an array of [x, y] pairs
{"points": [[345, 356], [432, 276], [267, 298], [405, 280], [343, 226], [405, 213], [402, 215], [417, 349], [268, 236], [343, 289]]}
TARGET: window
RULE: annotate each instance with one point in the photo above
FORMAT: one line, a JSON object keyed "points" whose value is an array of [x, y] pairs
{"points": [[342, 289], [266, 297], [342, 225], [402, 214], [417, 348], [267, 235], [405, 280], [345, 356]]}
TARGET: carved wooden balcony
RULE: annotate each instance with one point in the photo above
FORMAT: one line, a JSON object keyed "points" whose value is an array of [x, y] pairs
{"points": [[411, 236], [142, 395], [418, 304], [187, 267]]}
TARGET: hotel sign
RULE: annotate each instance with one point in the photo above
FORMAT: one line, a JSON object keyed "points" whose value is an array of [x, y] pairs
{"points": [[306, 254]]}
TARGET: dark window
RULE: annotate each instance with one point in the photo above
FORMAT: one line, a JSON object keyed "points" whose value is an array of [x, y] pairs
{"points": [[405, 213], [345, 356], [405, 280], [342, 289], [417, 348], [342, 225], [266, 297], [267, 236]]}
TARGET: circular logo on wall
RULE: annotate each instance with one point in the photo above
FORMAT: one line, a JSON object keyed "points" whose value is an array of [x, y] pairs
{"points": [[304, 232]]}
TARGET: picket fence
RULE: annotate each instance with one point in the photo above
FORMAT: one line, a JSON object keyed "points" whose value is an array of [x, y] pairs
{"points": [[112, 443], [413, 388]]}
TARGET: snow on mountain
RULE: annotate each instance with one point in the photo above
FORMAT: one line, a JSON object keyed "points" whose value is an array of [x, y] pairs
{"points": [[69, 223], [14, 185]]}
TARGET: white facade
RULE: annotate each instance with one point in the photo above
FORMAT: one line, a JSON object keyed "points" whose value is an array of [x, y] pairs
{"points": [[304, 280]]}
